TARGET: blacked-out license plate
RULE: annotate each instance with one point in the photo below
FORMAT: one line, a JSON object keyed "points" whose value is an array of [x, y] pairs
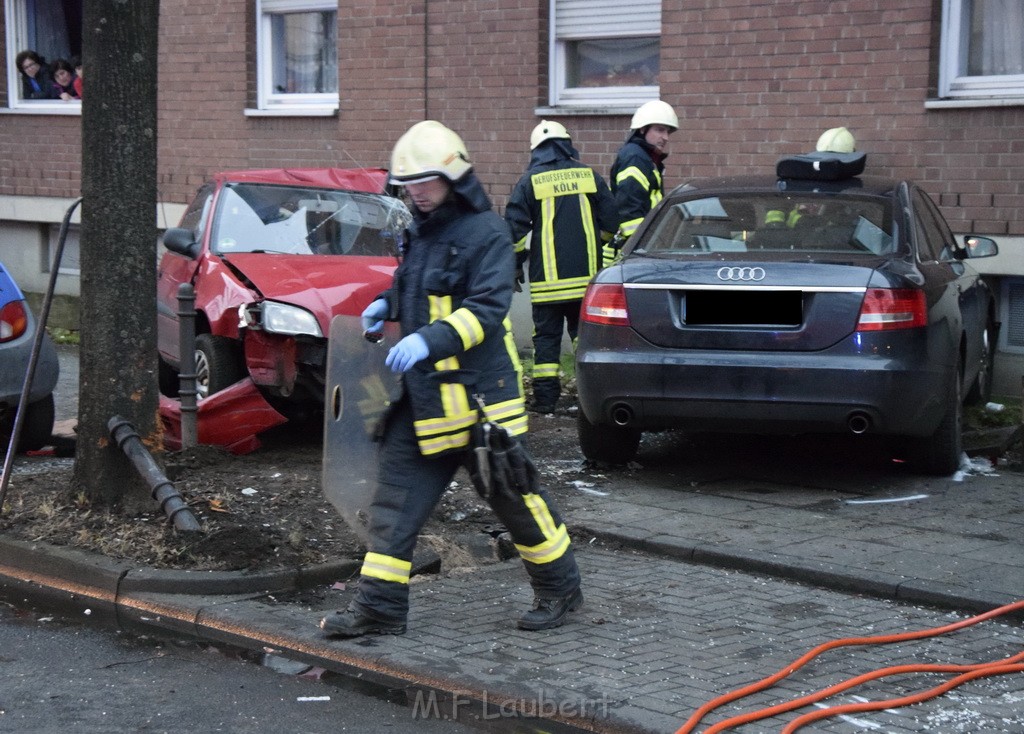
{"points": [[743, 308]]}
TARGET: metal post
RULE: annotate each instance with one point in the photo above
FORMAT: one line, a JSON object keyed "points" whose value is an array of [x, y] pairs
{"points": [[187, 391]]}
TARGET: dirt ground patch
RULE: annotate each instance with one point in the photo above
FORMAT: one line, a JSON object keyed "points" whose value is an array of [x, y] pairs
{"points": [[266, 509]]}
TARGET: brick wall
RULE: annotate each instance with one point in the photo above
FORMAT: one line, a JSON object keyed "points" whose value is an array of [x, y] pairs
{"points": [[751, 80]]}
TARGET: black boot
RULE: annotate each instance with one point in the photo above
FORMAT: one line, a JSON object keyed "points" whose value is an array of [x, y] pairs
{"points": [[545, 394], [549, 613], [352, 623]]}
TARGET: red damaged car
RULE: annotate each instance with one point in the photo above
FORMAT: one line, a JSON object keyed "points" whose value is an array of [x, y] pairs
{"points": [[273, 256]]}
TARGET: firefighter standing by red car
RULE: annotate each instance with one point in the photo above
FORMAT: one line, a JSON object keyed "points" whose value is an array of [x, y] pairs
{"points": [[451, 295], [566, 210]]}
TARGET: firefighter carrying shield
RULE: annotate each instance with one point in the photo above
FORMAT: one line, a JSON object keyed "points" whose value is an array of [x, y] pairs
{"points": [[451, 296]]}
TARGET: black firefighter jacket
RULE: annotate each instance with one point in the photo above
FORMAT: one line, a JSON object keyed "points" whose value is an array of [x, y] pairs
{"points": [[454, 287], [570, 211], [636, 182]]}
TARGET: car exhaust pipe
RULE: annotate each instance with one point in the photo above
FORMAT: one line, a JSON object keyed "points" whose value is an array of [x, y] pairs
{"points": [[858, 423], [622, 414]]}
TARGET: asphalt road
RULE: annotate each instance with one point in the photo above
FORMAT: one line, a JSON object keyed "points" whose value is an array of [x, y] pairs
{"points": [[59, 676]]}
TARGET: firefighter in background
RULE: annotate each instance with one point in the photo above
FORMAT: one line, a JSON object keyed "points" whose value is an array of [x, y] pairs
{"points": [[833, 140], [567, 212], [636, 178], [836, 140], [451, 295]]}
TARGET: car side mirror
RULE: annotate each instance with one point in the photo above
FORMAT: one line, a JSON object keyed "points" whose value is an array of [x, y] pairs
{"points": [[181, 241], [980, 246]]}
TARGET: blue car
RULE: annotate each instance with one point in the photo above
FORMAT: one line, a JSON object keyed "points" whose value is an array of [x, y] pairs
{"points": [[17, 334], [781, 305]]}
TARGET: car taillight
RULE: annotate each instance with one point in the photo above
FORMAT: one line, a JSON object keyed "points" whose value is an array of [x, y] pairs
{"points": [[605, 303], [892, 308], [13, 321]]}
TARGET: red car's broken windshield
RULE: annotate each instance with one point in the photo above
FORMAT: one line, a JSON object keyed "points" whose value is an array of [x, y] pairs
{"points": [[306, 221]]}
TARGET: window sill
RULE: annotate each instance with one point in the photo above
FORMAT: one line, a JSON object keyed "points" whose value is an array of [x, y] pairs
{"points": [[961, 102], [44, 108], [296, 111], [585, 110]]}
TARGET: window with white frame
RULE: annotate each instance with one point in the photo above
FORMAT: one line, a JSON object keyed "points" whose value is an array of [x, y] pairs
{"points": [[71, 255], [604, 52], [982, 49], [297, 49], [51, 28]]}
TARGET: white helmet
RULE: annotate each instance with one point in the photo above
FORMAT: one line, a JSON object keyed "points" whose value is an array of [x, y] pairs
{"points": [[427, 150], [655, 112], [836, 140], [548, 130]]}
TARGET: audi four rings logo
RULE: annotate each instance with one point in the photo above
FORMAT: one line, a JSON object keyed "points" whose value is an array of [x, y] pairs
{"points": [[741, 273]]}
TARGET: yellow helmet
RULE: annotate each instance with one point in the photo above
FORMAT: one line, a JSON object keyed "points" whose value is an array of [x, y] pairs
{"points": [[427, 150], [655, 112], [548, 130], [836, 140]]}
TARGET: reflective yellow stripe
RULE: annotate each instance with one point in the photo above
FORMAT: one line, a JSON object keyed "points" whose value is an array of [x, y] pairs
{"points": [[467, 326], [633, 172], [506, 409], [629, 227], [570, 294], [547, 239], [521, 244], [510, 414], [545, 370], [430, 446], [548, 551], [656, 193], [386, 568], [453, 422], [591, 235], [556, 541], [564, 289], [516, 426]]}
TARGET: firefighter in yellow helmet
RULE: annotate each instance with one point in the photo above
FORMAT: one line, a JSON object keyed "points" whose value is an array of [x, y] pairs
{"points": [[566, 211], [451, 295], [636, 178]]}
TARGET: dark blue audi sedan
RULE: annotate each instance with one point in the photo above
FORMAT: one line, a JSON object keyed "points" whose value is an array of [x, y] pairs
{"points": [[789, 305]]}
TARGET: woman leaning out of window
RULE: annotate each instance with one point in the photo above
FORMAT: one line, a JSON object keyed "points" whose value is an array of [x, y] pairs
{"points": [[36, 81]]}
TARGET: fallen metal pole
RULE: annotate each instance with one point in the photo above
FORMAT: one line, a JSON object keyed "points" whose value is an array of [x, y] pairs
{"points": [[171, 502]]}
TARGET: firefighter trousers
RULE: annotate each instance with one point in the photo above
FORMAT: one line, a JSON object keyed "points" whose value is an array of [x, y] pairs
{"points": [[409, 485], [549, 320]]}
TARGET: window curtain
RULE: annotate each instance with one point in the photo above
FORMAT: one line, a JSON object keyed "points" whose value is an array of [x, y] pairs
{"points": [[996, 37]]}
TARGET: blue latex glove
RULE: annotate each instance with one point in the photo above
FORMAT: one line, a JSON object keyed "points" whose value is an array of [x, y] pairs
{"points": [[373, 315], [406, 353]]}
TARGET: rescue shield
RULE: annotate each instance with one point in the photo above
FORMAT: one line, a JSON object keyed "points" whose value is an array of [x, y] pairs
{"points": [[359, 390]]}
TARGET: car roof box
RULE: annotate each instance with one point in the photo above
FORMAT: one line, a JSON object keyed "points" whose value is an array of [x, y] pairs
{"points": [[825, 166]]}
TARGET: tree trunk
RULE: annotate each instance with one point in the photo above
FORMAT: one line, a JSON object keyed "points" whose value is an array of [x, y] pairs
{"points": [[118, 244]]}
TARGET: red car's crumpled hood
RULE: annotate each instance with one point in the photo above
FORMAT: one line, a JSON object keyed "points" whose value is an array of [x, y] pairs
{"points": [[326, 285]]}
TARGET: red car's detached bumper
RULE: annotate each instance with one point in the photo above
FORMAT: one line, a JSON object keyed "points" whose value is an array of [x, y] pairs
{"points": [[231, 418]]}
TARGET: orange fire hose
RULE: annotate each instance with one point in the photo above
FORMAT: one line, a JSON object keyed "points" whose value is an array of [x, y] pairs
{"points": [[985, 670], [998, 667]]}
